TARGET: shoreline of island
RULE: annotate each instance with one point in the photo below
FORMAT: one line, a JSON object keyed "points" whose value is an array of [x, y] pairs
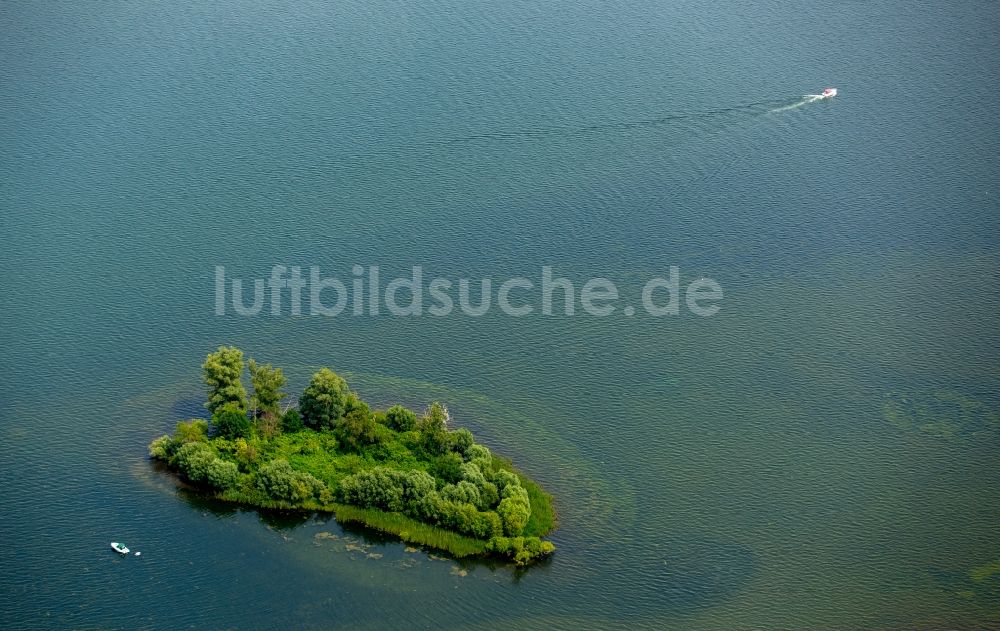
{"points": [[391, 470]]}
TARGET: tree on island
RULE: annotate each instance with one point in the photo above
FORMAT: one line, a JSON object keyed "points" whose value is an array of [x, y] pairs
{"points": [[223, 372], [231, 421], [267, 382], [357, 427], [291, 421], [400, 419], [322, 403], [434, 429], [265, 403]]}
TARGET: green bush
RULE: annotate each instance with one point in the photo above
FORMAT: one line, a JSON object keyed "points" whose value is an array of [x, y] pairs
{"points": [[281, 482], [464, 517], [374, 488], [267, 382], [460, 441], [387, 447], [433, 428], [350, 463], [322, 403], [428, 508], [401, 419], [521, 549], [435, 419], [416, 485], [478, 451], [162, 448], [353, 403], [246, 452], [455, 514], [291, 422], [356, 428], [506, 546], [488, 495], [490, 525], [514, 515], [231, 421], [193, 431], [485, 466], [310, 445], [448, 467], [464, 493], [222, 475], [472, 473], [193, 459], [516, 492], [503, 479], [388, 489]]}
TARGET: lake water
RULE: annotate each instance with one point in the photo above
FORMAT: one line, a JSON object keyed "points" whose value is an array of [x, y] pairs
{"points": [[819, 454]]}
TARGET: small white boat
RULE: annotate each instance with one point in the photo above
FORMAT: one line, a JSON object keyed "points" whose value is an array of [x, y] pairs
{"points": [[829, 93], [119, 547]]}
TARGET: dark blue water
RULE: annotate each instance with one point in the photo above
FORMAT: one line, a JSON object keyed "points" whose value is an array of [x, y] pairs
{"points": [[746, 470]]}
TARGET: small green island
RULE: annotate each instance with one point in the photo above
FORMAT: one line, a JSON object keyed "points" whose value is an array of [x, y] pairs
{"points": [[391, 470]]}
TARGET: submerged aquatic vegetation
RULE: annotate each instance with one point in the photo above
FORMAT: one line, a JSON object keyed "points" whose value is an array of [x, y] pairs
{"points": [[985, 572], [941, 414]]}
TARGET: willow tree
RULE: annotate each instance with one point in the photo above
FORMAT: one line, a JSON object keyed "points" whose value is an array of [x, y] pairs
{"points": [[223, 372]]}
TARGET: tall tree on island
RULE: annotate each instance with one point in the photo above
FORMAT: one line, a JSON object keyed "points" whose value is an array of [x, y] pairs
{"points": [[357, 427], [267, 382], [433, 428], [223, 372], [322, 403], [265, 403]]}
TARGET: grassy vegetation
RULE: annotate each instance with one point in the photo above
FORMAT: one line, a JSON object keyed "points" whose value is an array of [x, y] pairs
{"points": [[414, 477], [542, 519], [411, 530]]}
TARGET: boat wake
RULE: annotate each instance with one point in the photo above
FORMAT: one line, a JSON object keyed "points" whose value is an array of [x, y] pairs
{"points": [[806, 100], [677, 124], [828, 93], [690, 119]]}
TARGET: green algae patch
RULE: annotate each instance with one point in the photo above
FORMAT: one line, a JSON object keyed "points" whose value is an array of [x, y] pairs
{"points": [[894, 412], [982, 573], [945, 414]]}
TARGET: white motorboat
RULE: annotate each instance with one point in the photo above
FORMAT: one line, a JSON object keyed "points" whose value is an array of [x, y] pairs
{"points": [[829, 93], [119, 547]]}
